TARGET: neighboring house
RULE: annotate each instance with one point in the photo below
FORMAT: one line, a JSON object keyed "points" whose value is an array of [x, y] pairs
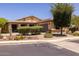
{"points": [[29, 21]]}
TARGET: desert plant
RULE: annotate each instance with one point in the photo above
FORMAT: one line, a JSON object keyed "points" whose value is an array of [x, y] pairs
{"points": [[48, 34], [73, 29], [19, 37], [76, 33]]}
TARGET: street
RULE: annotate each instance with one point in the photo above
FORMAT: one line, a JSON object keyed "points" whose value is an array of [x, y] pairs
{"points": [[37, 49]]}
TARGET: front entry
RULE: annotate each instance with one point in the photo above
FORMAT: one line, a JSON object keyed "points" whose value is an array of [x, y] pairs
{"points": [[45, 27], [14, 28]]}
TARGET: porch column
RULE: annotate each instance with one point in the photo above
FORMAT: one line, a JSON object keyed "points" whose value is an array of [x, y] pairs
{"points": [[10, 29], [19, 25], [27, 24], [49, 25]]}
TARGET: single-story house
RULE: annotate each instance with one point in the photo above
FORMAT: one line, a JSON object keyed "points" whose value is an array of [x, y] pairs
{"points": [[29, 21]]}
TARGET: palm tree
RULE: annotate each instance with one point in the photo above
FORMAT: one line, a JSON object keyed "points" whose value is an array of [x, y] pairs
{"points": [[62, 15]]}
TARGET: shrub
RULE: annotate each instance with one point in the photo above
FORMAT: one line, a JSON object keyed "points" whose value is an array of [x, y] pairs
{"points": [[19, 37], [23, 30], [30, 29], [48, 35], [36, 29], [73, 29], [76, 33]]}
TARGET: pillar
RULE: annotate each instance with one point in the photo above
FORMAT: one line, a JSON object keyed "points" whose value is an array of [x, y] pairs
{"points": [[49, 25], [19, 25], [10, 29], [27, 24]]}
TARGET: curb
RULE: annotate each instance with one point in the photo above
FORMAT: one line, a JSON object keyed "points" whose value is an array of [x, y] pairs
{"points": [[36, 41], [28, 41]]}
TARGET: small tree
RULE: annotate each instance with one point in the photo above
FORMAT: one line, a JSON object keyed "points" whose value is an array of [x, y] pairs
{"points": [[75, 20], [62, 15], [2, 23]]}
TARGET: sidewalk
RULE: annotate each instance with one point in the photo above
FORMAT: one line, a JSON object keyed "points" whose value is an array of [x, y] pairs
{"points": [[68, 45], [54, 39]]}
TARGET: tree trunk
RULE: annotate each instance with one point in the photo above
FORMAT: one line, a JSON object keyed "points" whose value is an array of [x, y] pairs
{"points": [[61, 31]]}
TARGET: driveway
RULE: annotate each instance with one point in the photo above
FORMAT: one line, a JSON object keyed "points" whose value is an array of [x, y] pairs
{"points": [[35, 49]]}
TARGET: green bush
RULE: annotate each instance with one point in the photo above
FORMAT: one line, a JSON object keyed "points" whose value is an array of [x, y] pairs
{"points": [[19, 37], [30, 29], [36, 29], [23, 30], [76, 33]]}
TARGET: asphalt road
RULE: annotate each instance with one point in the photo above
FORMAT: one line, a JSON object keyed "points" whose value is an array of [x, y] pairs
{"points": [[40, 49]]}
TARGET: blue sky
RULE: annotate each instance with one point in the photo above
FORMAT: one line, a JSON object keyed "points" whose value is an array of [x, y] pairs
{"points": [[41, 10]]}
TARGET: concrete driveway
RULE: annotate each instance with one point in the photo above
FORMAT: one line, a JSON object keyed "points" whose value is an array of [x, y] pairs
{"points": [[37, 49]]}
